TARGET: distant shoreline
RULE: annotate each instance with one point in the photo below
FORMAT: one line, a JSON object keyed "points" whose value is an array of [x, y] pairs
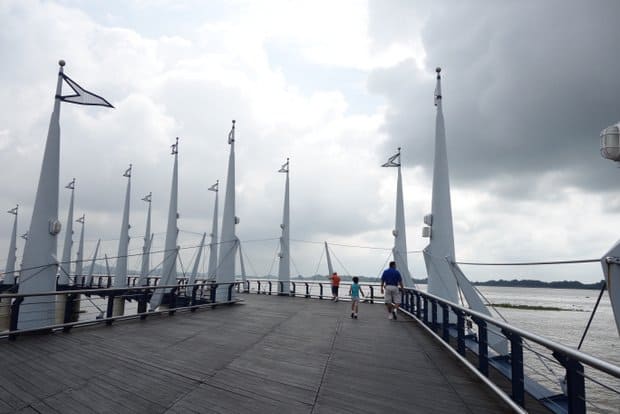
{"points": [[525, 283]]}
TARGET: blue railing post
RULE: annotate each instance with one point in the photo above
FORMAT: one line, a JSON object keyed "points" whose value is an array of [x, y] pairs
{"points": [[230, 289], [445, 322], [68, 316], [143, 300], [516, 362], [258, 288], [307, 289], [575, 384], [372, 294], [425, 310], [269, 286], [247, 287], [173, 301], [294, 288], [213, 292], [15, 316], [193, 298], [483, 346], [460, 328], [110, 308], [321, 291], [434, 313], [418, 305]]}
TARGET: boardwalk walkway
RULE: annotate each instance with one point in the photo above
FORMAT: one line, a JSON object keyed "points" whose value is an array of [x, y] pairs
{"points": [[267, 355]]}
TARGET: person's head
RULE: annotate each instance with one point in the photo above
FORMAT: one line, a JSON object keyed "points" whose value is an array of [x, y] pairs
{"points": [[335, 274], [393, 265], [356, 279]]}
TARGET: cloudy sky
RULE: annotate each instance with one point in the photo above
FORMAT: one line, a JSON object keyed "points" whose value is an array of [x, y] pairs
{"points": [[337, 87]]}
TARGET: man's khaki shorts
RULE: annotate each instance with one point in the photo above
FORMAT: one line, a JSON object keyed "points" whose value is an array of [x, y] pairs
{"points": [[392, 294]]}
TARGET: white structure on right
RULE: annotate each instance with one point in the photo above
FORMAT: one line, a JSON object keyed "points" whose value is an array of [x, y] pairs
{"points": [[445, 278], [610, 149]]}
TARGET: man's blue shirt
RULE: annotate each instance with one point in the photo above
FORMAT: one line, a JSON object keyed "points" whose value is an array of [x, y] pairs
{"points": [[391, 276]]}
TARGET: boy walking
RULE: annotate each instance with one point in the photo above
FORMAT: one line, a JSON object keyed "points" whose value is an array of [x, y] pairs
{"points": [[355, 291]]}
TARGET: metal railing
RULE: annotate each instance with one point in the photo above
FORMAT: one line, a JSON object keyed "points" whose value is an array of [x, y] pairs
{"points": [[75, 306], [306, 289]]}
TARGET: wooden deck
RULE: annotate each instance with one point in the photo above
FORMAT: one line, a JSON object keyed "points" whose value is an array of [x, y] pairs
{"points": [[268, 355]]}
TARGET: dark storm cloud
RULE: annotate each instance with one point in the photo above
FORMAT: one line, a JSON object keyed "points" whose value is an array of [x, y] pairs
{"points": [[527, 88]]}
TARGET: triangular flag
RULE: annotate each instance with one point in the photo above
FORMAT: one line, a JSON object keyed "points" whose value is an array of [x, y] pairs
{"points": [[214, 187], [13, 210], [231, 134], [392, 162], [284, 168], [82, 96], [127, 172], [147, 197]]}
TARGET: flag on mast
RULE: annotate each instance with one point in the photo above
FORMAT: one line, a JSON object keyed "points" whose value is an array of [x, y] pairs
{"points": [[81, 95], [393, 161], [215, 186], [231, 134], [284, 168]]}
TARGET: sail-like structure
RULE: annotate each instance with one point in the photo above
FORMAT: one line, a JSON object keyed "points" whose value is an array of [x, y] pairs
{"points": [[171, 250], [9, 269], [65, 265], [440, 250], [146, 248], [328, 258], [79, 260], [445, 278], [40, 264], [213, 245], [228, 241], [284, 267], [120, 271], [192, 276], [89, 279], [400, 233]]}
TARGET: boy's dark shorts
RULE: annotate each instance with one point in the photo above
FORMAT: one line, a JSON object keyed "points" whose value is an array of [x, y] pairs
{"points": [[335, 290]]}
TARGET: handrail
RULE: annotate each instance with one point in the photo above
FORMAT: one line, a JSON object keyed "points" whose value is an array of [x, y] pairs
{"points": [[547, 343]]}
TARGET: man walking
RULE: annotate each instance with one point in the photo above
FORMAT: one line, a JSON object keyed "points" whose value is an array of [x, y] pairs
{"points": [[390, 281]]}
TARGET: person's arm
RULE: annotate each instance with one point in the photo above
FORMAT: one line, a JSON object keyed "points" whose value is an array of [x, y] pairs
{"points": [[350, 289], [362, 292]]}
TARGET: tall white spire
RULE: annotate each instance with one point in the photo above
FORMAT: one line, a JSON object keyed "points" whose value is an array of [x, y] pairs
{"points": [[440, 250], [284, 268], [400, 233], [9, 270], [79, 263], [120, 271], [171, 250], [228, 247], [146, 249], [39, 264], [213, 245], [65, 266], [192, 276]]}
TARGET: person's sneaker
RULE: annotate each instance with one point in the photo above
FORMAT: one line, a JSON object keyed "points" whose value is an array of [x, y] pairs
{"points": [[355, 316], [390, 317], [394, 312], [352, 315]]}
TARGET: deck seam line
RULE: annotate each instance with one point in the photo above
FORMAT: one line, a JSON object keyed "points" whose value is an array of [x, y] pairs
{"points": [[329, 358]]}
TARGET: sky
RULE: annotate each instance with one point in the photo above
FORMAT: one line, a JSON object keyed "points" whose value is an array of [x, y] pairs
{"points": [[337, 87]]}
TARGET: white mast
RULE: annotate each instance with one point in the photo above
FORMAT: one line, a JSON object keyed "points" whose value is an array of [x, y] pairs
{"points": [[89, 279], [120, 271], [79, 264], [330, 268], [226, 268], [400, 235], [284, 268], [39, 265], [65, 266], [192, 277], [440, 249], [9, 270], [171, 250], [213, 246], [146, 249]]}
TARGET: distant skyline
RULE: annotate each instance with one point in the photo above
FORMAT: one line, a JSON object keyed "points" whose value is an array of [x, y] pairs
{"points": [[337, 87]]}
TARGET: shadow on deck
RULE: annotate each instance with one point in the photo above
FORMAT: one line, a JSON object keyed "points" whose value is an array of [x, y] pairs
{"points": [[268, 354]]}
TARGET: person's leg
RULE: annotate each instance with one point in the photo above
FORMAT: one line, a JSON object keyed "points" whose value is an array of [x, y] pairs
{"points": [[335, 293]]}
